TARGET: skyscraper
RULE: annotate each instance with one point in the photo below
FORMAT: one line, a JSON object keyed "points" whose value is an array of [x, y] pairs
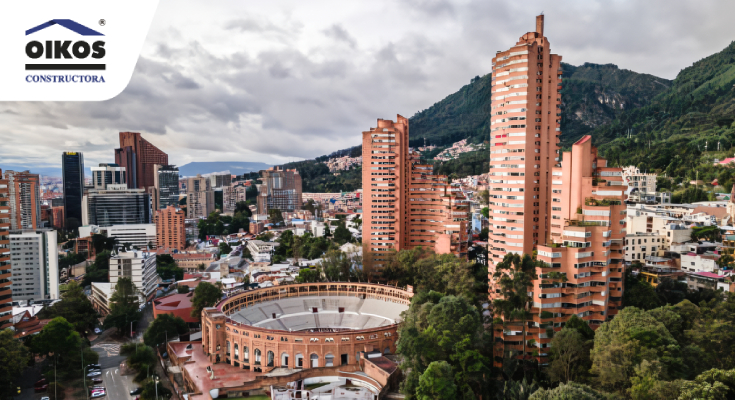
{"points": [[404, 204], [6, 292], [524, 129], [72, 169], [280, 189], [561, 210], [35, 264], [165, 190], [199, 197], [138, 156], [24, 189]]}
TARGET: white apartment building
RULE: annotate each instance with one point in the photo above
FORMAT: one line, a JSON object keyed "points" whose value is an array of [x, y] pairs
{"points": [[34, 261], [138, 235], [139, 266], [638, 246], [692, 262], [645, 183], [261, 251]]}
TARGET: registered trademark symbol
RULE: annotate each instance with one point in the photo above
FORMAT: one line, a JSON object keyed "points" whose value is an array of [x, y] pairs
{"points": [[102, 22]]}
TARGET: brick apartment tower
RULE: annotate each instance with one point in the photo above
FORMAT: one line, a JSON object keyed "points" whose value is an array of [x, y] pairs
{"points": [[534, 199], [404, 205], [139, 156], [587, 234], [280, 189], [24, 189], [6, 293], [170, 230]]}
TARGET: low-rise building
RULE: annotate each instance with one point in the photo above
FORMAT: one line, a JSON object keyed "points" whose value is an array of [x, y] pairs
{"points": [[261, 251], [639, 246], [139, 266], [100, 298], [179, 305]]}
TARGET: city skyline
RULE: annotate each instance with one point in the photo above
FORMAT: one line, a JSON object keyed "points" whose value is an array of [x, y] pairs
{"points": [[253, 97]]}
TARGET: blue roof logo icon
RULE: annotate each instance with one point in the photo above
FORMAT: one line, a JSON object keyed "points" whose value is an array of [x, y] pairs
{"points": [[68, 24]]}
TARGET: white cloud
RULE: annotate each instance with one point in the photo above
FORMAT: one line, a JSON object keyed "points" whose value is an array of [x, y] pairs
{"points": [[283, 80]]}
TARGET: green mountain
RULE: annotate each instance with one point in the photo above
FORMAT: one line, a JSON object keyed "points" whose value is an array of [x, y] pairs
{"points": [[678, 131]]}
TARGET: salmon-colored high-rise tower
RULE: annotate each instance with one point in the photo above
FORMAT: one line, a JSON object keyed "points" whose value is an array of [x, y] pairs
{"points": [[524, 129], [404, 204], [571, 212]]}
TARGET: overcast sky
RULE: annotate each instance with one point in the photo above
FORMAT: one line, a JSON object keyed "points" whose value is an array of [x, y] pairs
{"points": [[278, 80]]}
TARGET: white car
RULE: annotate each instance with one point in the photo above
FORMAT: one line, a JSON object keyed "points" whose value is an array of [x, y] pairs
{"points": [[97, 330], [45, 398], [99, 393], [94, 373]]}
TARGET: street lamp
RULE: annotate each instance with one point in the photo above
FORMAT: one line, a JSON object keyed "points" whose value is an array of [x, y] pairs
{"points": [[156, 387]]}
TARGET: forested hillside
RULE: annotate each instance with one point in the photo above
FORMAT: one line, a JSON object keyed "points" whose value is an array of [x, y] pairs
{"points": [[680, 130]]}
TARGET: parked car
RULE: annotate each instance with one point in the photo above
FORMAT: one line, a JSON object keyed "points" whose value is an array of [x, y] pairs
{"points": [[45, 398], [97, 330], [41, 382], [93, 374], [96, 380], [136, 391], [94, 366], [41, 389], [100, 393]]}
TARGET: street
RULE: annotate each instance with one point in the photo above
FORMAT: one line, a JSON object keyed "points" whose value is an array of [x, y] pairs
{"points": [[118, 386]]}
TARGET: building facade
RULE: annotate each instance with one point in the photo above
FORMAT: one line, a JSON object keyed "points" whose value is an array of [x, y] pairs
{"points": [[524, 133], [108, 174], [644, 182], [139, 266], [138, 156], [639, 246], [165, 191], [586, 246], [116, 205], [24, 189], [170, 229], [35, 264], [404, 204], [279, 189], [199, 197], [72, 165], [6, 290]]}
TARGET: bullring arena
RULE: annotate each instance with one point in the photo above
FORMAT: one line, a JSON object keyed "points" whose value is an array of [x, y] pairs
{"points": [[310, 341]]}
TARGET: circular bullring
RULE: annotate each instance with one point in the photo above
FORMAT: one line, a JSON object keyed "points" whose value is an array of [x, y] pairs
{"points": [[304, 326]]}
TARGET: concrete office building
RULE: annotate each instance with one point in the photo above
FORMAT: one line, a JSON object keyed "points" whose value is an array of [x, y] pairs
{"points": [[279, 189], [35, 264], [405, 205], [170, 229], [24, 189], [199, 197], [6, 292], [108, 174], [139, 266], [165, 190], [116, 205], [72, 166], [138, 156], [220, 180]]}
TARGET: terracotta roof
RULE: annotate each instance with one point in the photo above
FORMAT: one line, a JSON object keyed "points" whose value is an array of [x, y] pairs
{"points": [[717, 212], [384, 364]]}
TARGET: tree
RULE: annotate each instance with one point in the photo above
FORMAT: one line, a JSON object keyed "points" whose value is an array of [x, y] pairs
{"points": [[437, 382], [14, 358], [444, 328], [570, 391], [56, 391], [624, 342], [205, 295], [639, 294], [514, 276], [715, 384], [150, 391], [141, 358], [484, 233], [57, 337], [516, 390], [309, 275], [74, 307], [167, 268], [275, 216], [569, 356], [224, 248], [99, 270], [342, 235], [123, 306], [164, 326], [483, 196], [182, 289], [485, 211], [327, 231]]}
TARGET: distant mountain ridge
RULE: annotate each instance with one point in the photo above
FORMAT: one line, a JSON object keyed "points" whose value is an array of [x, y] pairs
{"points": [[208, 167]]}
